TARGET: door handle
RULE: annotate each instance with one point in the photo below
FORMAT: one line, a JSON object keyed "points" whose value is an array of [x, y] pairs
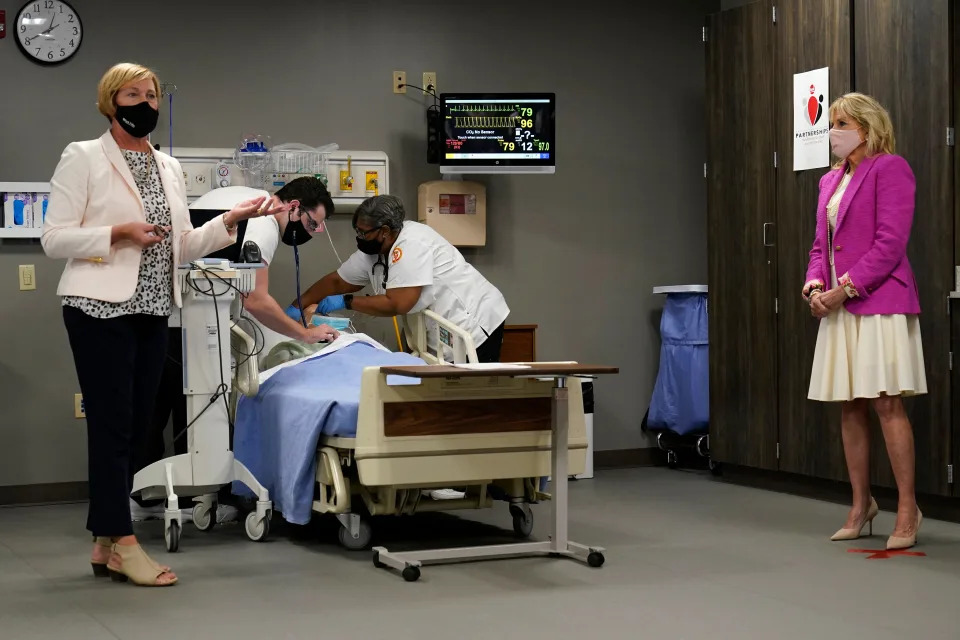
{"points": [[766, 242]]}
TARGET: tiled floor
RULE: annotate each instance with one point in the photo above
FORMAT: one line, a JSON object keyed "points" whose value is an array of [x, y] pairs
{"points": [[687, 557]]}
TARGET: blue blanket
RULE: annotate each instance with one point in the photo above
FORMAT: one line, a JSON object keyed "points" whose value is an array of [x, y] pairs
{"points": [[276, 432]]}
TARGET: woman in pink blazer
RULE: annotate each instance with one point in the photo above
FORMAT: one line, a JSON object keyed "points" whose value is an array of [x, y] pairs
{"points": [[861, 286], [118, 214]]}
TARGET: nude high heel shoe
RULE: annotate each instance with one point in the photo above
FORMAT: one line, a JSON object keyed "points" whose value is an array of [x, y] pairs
{"points": [[131, 562], [100, 568], [897, 542], [855, 532]]}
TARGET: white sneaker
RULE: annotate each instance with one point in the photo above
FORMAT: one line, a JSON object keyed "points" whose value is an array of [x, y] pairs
{"points": [[141, 514], [226, 513], [447, 494]]}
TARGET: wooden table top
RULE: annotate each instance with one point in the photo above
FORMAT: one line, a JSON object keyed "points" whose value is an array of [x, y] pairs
{"points": [[534, 369]]}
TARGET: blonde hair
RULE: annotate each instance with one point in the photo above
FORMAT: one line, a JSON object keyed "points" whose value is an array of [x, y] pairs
{"points": [[117, 77], [871, 117]]}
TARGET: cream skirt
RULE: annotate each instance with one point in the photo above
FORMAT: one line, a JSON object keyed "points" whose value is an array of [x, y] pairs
{"points": [[866, 357]]}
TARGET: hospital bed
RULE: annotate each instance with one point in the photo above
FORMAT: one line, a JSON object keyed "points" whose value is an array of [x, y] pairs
{"points": [[489, 436]]}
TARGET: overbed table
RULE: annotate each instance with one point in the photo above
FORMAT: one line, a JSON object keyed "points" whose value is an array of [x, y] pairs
{"points": [[409, 563]]}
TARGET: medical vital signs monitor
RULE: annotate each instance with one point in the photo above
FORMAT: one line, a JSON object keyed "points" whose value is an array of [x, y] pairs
{"points": [[498, 133]]}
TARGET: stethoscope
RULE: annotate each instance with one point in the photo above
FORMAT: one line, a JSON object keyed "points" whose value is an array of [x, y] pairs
{"points": [[386, 271]]}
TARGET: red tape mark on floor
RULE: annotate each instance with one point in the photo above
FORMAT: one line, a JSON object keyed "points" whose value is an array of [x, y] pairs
{"points": [[885, 554]]}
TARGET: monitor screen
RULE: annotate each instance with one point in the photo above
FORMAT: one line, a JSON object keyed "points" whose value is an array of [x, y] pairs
{"points": [[498, 133]]}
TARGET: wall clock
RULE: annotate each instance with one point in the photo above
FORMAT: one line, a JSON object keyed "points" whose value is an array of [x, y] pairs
{"points": [[48, 31]]}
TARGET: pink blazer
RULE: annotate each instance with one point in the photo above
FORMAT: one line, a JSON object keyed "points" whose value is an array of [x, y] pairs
{"points": [[870, 241], [92, 190]]}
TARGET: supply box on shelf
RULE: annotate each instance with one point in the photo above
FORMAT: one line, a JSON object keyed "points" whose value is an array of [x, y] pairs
{"points": [[24, 208]]}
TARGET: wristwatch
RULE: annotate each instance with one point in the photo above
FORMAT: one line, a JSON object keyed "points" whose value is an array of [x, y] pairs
{"points": [[348, 301]]}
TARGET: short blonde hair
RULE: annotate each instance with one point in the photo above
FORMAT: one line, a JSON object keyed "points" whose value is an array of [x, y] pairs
{"points": [[117, 77], [872, 118]]}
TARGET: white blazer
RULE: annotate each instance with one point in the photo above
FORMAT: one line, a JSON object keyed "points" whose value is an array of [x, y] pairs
{"points": [[92, 190]]}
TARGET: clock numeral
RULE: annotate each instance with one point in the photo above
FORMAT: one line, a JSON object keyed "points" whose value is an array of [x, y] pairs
{"points": [[48, 4], [49, 55], [62, 52], [76, 31], [23, 28], [36, 7], [70, 18], [38, 51], [71, 44]]}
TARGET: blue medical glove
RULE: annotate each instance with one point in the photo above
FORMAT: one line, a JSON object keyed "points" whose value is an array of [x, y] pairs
{"points": [[294, 312], [330, 304]]}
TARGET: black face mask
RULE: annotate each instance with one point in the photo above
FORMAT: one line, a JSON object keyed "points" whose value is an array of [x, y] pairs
{"points": [[138, 120], [295, 234], [369, 247]]}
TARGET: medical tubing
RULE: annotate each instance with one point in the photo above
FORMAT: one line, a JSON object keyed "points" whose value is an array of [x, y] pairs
{"points": [[170, 110], [396, 327], [296, 261]]}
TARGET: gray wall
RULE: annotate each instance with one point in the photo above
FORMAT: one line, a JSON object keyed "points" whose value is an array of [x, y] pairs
{"points": [[576, 253]]}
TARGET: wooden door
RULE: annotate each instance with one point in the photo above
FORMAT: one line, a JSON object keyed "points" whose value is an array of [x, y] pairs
{"points": [[741, 207], [810, 34], [902, 56]]}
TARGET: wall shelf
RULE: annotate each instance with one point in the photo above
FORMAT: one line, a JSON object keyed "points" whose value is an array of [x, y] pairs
{"points": [[29, 233]]}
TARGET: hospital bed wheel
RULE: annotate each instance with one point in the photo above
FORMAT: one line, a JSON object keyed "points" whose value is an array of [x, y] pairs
{"points": [[360, 543], [203, 517], [411, 573], [257, 530], [171, 535], [715, 467], [595, 559], [672, 461], [522, 521]]}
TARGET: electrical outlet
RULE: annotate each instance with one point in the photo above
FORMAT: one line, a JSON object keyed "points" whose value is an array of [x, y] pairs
{"points": [[399, 81], [28, 277], [78, 409], [430, 81]]}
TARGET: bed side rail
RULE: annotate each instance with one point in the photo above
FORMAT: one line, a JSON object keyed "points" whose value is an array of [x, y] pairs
{"points": [[445, 333], [246, 378]]}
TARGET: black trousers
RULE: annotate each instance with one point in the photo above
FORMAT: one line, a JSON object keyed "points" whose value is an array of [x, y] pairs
{"points": [[119, 363], [489, 351]]}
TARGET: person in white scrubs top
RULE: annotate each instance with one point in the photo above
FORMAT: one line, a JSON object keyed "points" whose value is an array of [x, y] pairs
{"points": [[410, 267], [311, 204]]}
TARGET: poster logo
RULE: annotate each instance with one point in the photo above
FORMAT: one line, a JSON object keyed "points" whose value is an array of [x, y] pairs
{"points": [[397, 254], [814, 106], [811, 133]]}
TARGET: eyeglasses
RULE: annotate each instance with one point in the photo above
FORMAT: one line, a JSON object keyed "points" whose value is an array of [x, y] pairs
{"points": [[362, 233], [309, 223]]}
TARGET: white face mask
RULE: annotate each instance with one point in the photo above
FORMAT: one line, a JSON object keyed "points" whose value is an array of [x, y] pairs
{"points": [[843, 142]]}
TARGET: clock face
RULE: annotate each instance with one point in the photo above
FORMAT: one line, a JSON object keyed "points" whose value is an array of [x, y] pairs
{"points": [[48, 31]]}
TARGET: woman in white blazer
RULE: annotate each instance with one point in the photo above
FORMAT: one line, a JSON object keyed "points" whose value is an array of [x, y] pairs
{"points": [[118, 214]]}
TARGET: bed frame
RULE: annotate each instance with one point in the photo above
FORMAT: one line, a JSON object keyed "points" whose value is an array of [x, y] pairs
{"points": [[487, 436]]}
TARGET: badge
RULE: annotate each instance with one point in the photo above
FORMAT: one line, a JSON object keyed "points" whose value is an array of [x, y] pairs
{"points": [[397, 254]]}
